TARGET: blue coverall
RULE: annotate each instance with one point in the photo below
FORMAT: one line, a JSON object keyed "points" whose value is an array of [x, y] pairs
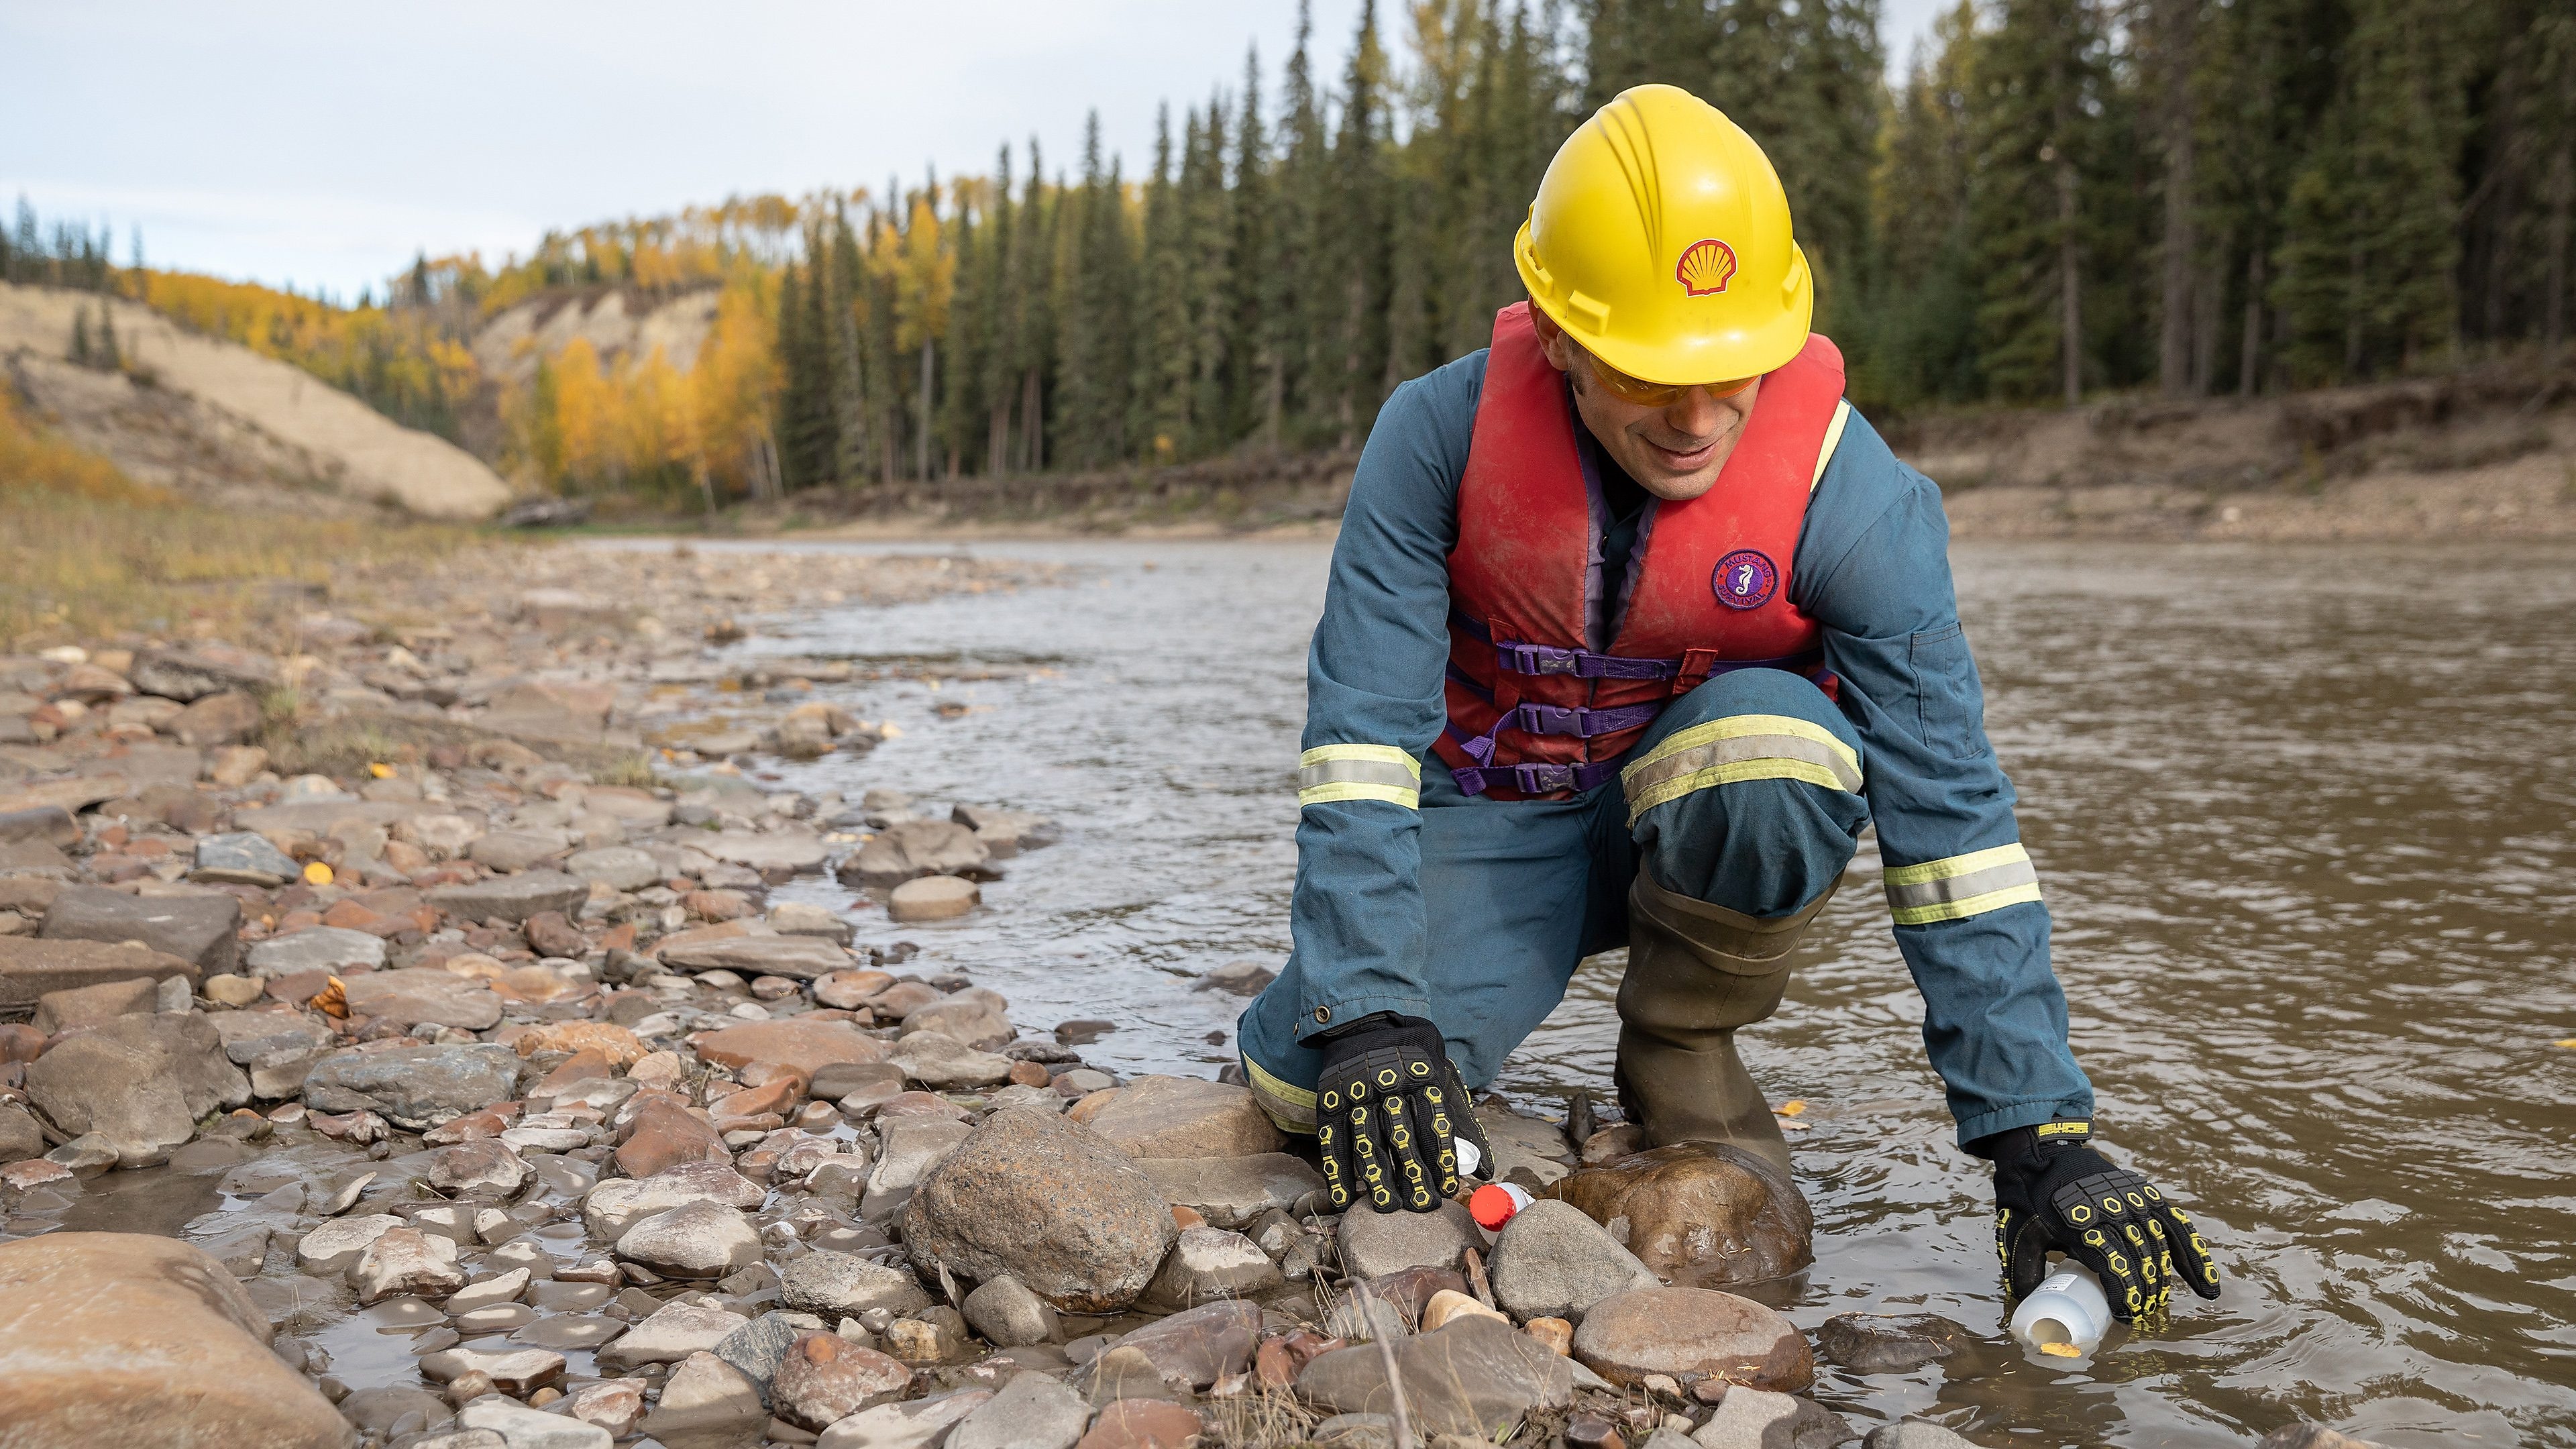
{"points": [[1473, 913]]}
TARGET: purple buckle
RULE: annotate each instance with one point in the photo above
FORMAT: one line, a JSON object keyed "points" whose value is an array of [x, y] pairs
{"points": [[1537, 658], [1549, 719], [1540, 779]]}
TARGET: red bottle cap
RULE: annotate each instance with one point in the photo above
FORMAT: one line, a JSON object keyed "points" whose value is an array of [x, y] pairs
{"points": [[1495, 1204]]}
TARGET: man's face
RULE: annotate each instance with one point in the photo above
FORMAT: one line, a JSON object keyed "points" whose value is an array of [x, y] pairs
{"points": [[1674, 451]]}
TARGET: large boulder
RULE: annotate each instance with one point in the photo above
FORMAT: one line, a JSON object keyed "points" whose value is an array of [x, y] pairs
{"points": [[1157, 1116], [1690, 1334], [142, 1081], [1704, 1215], [1034, 1196], [423, 995], [202, 930], [413, 1087], [126, 1338], [29, 967], [512, 898], [1472, 1377], [1553, 1262]]}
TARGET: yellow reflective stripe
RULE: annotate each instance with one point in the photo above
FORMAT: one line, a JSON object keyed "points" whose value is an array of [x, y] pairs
{"points": [[1739, 747], [1960, 886], [1833, 440], [1328, 773], [1295, 1106], [1740, 726], [1677, 786]]}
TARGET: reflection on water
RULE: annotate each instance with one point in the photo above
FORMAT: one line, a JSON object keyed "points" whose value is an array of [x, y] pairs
{"points": [[2307, 825]]}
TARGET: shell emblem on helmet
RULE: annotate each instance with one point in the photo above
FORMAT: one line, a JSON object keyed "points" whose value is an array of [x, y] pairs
{"points": [[1705, 267]]}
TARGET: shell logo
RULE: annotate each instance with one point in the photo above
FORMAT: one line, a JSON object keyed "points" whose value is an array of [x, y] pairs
{"points": [[1705, 268]]}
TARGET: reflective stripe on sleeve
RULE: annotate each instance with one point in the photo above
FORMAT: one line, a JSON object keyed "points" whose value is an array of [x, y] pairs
{"points": [[1290, 1106], [1328, 773], [1739, 747], [1961, 885], [1833, 440]]}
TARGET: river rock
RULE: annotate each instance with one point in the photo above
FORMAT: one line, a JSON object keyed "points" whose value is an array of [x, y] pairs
{"points": [[973, 1017], [1194, 1348], [317, 948], [845, 1285], [190, 673], [519, 1371], [511, 851], [933, 898], [201, 930], [663, 1135], [909, 849], [30, 967], [339, 1243], [616, 1405], [20, 1137], [673, 1332], [242, 857], [1553, 1262], [1750, 1418], [488, 1292], [1159, 1116], [757, 1348], [803, 918], [798, 958], [1143, 1424], [413, 1087], [1008, 1315], [707, 1404], [1918, 1434], [521, 1427], [2306, 1436], [512, 898], [389, 1412], [129, 1338], [1890, 1343], [1374, 1244], [1231, 1191], [1211, 1263], [693, 1240], [1699, 1214], [1033, 1411], [141, 1082], [942, 1063], [919, 1424], [615, 1204], [1035, 1196], [805, 1046], [1467, 1378], [89, 1005], [788, 850], [1690, 1334], [824, 1378], [423, 995], [484, 1170], [407, 1260], [618, 867]]}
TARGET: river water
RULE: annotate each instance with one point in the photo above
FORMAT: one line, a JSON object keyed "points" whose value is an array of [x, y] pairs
{"points": [[2307, 822]]}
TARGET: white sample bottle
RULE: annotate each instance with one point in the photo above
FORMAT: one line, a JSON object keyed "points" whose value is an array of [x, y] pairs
{"points": [[2066, 1308]]}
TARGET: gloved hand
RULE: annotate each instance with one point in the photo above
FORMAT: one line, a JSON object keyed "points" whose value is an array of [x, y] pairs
{"points": [[2052, 1190], [1389, 1111]]}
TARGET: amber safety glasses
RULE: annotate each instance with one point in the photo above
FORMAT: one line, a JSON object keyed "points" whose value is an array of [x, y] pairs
{"points": [[1656, 394]]}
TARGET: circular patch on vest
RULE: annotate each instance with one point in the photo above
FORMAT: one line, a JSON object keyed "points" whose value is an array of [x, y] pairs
{"points": [[1745, 579]]}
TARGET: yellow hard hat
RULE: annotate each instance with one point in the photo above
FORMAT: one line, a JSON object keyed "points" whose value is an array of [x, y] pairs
{"points": [[1660, 240]]}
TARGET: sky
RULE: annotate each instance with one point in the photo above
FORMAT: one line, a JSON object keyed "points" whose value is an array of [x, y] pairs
{"points": [[325, 144]]}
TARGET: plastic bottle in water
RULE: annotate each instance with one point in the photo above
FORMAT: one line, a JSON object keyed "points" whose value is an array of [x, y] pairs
{"points": [[2066, 1311]]}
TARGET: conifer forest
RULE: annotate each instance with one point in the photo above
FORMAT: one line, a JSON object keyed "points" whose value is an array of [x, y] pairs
{"points": [[2050, 200]]}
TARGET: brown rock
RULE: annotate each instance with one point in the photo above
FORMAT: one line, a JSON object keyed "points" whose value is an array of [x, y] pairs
{"points": [[1028, 1074], [1143, 1424], [1158, 1116], [618, 1045], [1699, 1214], [1690, 1334], [665, 1134], [120, 1338], [933, 898], [807, 1046], [30, 967], [1465, 1379], [90, 1005], [549, 934], [825, 1378], [848, 990], [1031, 1195], [718, 905], [216, 719]]}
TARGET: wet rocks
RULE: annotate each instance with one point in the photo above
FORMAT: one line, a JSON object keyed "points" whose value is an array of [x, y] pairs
{"points": [[2292, 1436], [407, 1260], [825, 1378], [618, 1203], [1008, 1315], [663, 1135], [422, 996], [1374, 1244], [1553, 1262], [1750, 1418], [338, 1244], [910, 849], [1037, 1197], [1159, 1116], [413, 1087], [707, 1404], [920, 1424], [694, 1240], [933, 898], [519, 1371], [1032, 1411], [1699, 1214], [122, 1338], [521, 1427], [1191, 1350], [1879, 1343], [943, 1063], [198, 929], [1466, 1378], [141, 1082], [1918, 1434], [1690, 1334], [486, 1169], [671, 1333], [512, 898], [845, 1285]]}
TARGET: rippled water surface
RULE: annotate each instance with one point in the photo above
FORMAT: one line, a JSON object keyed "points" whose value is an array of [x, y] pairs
{"points": [[2307, 823]]}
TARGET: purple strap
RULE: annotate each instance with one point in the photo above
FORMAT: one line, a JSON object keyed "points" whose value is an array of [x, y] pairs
{"points": [[1522, 658], [1535, 779]]}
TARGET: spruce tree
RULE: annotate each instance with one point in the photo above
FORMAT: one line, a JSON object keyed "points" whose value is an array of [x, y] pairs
{"points": [[1922, 328], [2040, 77]]}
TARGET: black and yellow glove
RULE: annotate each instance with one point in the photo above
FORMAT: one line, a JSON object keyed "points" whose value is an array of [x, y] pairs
{"points": [[2052, 1190], [1389, 1113]]}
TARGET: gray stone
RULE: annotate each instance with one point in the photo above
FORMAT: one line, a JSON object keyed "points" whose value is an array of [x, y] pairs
{"points": [[1468, 1377], [485, 1169], [1159, 1116], [242, 857], [1374, 1244], [619, 867], [673, 1332], [190, 674], [791, 850], [974, 1017], [1208, 1264], [1883, 1343], [141, 1082], [933, 898], [617, 1203], [277, 1046], [707, 1404], [694, 1240], [423, 994], [1917, 1434], [488, 1292], [1008, 1315], [1035, 1196], [845, 1285], [20, 1137], [30, 968], [822, 1378], [1231, 1191], [1191, 1350], [512, 851], [910, 849], [919, 1424], [756, 1348], [943, 1063], [317, 948], [802, 918], [512, 898], [798, 958], [407, 1260], [521, 1427], [388, 1412], [199, 929], [337, 1244], [89, 1005], [1690, 1334], [911, 1147], [1553, 1262], [1033, 1411], [415, 1088]]}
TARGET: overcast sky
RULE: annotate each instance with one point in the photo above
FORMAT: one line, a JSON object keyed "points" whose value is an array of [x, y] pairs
{"points": [[325, 143]]}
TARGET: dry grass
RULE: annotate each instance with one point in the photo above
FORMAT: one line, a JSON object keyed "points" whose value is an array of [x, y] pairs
{"points": [[88, 553]]}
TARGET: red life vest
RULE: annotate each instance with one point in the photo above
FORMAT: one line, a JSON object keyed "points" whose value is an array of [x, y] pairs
{"points": [[1533, 709]]}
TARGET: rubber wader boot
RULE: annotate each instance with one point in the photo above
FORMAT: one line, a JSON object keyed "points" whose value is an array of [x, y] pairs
{"points": [[1696, 972]]}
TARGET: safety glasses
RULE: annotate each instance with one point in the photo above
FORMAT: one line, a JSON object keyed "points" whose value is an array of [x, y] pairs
{"points": [[1656, 394]]}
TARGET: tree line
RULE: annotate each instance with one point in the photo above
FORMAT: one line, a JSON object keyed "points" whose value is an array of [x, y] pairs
{"points": [[2058, 198]]}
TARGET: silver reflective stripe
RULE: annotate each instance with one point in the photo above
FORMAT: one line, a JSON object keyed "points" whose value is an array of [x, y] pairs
{"points": [[1354, 772], [1739, 750], [1330, 774], [1961, 886]]}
